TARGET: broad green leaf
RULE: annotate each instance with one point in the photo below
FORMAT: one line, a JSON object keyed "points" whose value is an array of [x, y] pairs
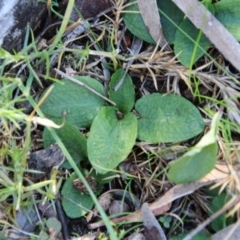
{"points": [[217, 203], [74, 141], [53, 223], [197, 162], [190, 43], [227, 12], [111, 139], [135, 24], [193, 165], [72, 197], [80, 105], [170, 15], [43, 236], [184, 47], [168, 118], [124, 97]]}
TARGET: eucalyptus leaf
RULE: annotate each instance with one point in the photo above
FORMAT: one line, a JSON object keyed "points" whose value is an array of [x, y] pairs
{"points": [[80, 105], [168, 118], [74, 141], [135, 24], [227, 12], [198, 161], [75, 203], [110, 139], [124, 97]]}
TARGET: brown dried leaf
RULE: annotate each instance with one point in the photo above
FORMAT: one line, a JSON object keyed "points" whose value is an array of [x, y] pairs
{"points": [[151, 18], [231, 232], [219, 173], [152, 228], [163, 204], [135, 216]]}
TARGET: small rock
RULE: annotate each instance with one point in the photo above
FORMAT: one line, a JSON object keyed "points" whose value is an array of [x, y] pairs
{"points": [[117, 207], [89, 8], [47, 210], [136, 236], [44, 160]]}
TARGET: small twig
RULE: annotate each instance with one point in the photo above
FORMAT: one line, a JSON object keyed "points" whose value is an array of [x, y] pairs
{"points": [[83, 85]]}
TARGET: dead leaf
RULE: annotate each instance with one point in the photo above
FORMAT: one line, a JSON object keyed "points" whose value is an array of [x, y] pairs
{"points": [[133, 217], [219, 173], [151, 18], [152, 228], [163, 204], [46, 122], [213, 29], [232, 232]]}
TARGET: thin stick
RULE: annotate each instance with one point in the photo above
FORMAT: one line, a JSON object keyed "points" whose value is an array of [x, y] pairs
{"points": [[83, 85]]}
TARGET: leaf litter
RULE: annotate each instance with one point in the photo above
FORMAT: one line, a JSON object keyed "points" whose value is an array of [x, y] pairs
{"points": [[148, 161]]}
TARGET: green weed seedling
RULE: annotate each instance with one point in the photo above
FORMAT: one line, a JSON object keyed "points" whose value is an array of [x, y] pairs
{"points": [[166, 220], [112, 129], [154, 118], [15, 151], [115, 129], [53, 228]]}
